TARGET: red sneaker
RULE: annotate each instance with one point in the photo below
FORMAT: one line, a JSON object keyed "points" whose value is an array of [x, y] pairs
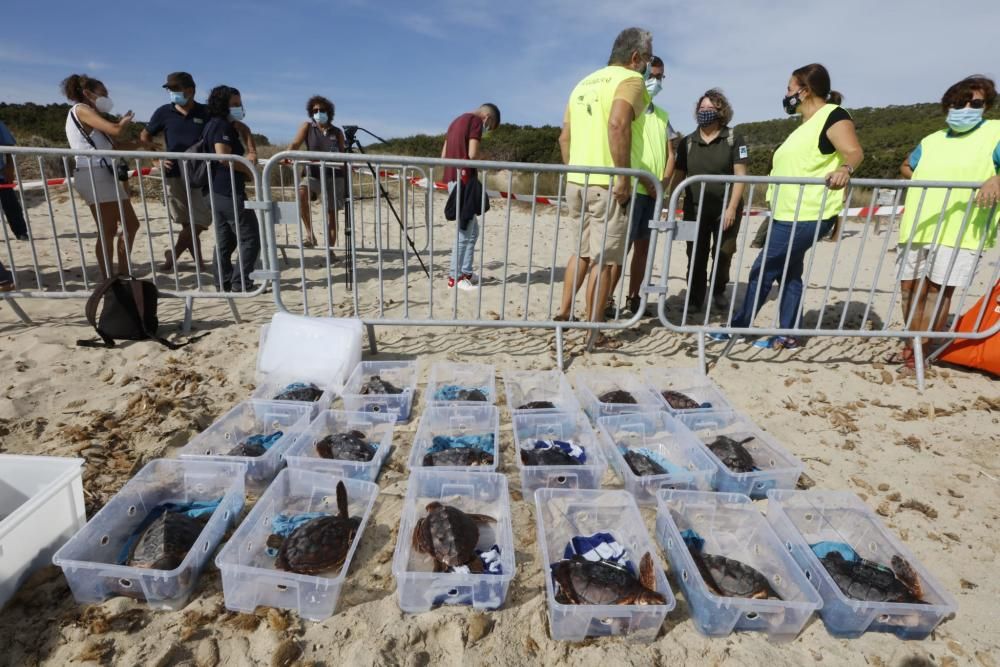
{"points": [[451, 282]]}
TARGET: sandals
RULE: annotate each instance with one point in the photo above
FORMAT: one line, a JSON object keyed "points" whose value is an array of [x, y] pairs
{"points": [[7, 286]]}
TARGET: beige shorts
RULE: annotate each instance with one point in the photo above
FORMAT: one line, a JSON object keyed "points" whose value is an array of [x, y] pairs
{"points": [[182, 212], [97, 186], [336, 190], [933, 261], [597, 239]]}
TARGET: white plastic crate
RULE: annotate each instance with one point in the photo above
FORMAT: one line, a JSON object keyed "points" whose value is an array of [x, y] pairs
{"points": [[563, 514], [466, 376], [532, 425], [802, 519], [41, 506], [592, 384], [249, 577], [402, 374], [678, 450], [690, 382], [524, 387], [89, 560], [776, 467], [732, 527], [377, 428], [249, 418], [418, 587], [455, 421]]}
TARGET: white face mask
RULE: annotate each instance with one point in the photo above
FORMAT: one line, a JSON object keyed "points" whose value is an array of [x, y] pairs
{"points": [[654, 86], [104, 104]]}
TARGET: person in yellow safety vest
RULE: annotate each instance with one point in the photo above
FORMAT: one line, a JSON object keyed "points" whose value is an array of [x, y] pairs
{"points": [[944, 231], [603, 118], [824, 146]]}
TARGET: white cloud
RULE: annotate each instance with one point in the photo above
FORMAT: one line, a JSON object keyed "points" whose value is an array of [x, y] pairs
{"points": [[17, 55]]}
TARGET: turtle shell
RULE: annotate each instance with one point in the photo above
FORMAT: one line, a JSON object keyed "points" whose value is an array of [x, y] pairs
{"points": [[732, 453], [617, 396], [732, 578], [642, 465], [582, 581], [458, 456], [538, 405], [470, 395], [247, 448], [376, 385], [308, 393], [551, 456], [166, 541], [448, 534], [679, 401], [350, 446], [318, 545], [864, 580]]}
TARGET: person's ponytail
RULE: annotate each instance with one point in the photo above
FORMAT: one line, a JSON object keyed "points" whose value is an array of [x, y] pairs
{"points": [[835, 97], [74, 85]]}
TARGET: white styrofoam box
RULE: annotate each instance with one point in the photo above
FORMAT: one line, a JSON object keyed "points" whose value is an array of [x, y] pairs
{"points": [[377, 428], [592, 384], [732, 527], [523, 387], [402, 374], [571, 426], [563, 514], [245, 419], [41, 506], [249, 578], [89, 560], [465, 375], [418, 587], [665, 436], [446, 419], [802, 519], [776, 467], [688, 381]]}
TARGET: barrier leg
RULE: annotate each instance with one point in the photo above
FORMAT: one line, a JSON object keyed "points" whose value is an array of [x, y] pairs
{"points": [[188, 313], [17, 310], [372, 343], [918, 362], [236, 313], [702, 364], [559, 349]]}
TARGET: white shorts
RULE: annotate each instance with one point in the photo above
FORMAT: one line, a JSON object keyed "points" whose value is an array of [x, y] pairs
{"points": [[103, 187], [933, 261]]}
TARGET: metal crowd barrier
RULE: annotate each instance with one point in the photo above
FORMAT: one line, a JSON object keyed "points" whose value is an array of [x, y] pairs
{"points": [[520, 254], [67, 246], [850, 287]]}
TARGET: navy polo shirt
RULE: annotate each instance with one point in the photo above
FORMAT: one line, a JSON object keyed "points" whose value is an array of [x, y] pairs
{"points": [[180, 131], [222, 131]]}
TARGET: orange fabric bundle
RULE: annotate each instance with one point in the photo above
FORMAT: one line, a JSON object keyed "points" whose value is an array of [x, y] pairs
{"points": [[984, 353]]}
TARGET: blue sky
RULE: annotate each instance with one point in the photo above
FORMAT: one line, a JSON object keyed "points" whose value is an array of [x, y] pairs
{"points": [[398, 68]]}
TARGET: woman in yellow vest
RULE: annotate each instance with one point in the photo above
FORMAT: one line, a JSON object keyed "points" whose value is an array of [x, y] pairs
{"points": [[943, 232], [824, 146]]}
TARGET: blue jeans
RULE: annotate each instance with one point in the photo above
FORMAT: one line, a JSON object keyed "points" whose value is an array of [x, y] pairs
{"points": [[465, 246], [771, 261]]}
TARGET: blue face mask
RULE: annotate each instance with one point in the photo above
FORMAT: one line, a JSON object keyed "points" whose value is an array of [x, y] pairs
{"points": [[237, 113], [653, 87], [179, 99], [321, 117], [963, 120]]}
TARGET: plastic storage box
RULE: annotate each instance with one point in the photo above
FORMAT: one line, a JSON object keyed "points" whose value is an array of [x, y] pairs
{"points": [[249, 578], [665, 437], [532, 425], [41, 506], [402, 374], [378, 432], [732, 527], [591, 385], [803, 519], [455, 421], [563, 514], [523, 387], [777, 468], [242, 421], [465, 376], [89, 558], [691, 383], [420, 588]]}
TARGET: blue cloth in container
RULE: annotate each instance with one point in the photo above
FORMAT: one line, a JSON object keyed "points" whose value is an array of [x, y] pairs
{"points": [[693, 540], [194, 509], [450, 392], [284, 525], [484, 442], [265, 441], [822, 549], [598, 547], [569, 447]]}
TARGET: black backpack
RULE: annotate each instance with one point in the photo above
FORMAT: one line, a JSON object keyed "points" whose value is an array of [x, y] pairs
{"points": [[198, 169], [128, 313]]}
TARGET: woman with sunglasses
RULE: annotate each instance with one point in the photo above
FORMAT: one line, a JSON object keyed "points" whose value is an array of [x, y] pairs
{"points": [[320, 134], [943, 232]]}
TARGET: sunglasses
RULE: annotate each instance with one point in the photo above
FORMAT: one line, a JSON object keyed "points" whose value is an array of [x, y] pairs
{"points": [[975, 104], [318, 110]]}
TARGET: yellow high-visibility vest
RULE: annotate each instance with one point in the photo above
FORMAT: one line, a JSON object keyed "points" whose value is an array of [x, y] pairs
{"points": [[651, 153], [799, 156]]}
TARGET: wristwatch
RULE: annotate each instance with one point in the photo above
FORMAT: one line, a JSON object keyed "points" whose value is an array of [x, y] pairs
{"points": [[850, 169]]}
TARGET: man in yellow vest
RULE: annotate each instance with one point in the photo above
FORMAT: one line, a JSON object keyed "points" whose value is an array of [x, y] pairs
{"points": [[605, 111]]}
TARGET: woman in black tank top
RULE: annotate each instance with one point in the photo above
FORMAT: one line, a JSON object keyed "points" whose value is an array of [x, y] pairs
{"points": [[319, 134]]}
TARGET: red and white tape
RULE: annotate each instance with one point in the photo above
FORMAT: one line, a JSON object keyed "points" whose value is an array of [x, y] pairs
{"points": [[38, 184]]}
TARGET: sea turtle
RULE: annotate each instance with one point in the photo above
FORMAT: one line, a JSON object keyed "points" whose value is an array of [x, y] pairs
{"points": [[449, 536], [864, 580], [642, 465], [458, 456], [679, 401], [320, 544], [732, 453], [376, 385], [583, 581], [166, 541], [548, 456], [470, 395], [731, 578], [349, 446], [617, 396], [255, 445], [298, 391], [538, 405]]}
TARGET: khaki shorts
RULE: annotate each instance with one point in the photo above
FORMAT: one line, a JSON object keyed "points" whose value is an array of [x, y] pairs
{"points": [[933, 261], [589, 220], [181, 211], [336, 190]]}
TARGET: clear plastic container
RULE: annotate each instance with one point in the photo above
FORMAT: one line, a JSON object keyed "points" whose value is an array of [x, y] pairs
{"points": [[465, 376], [89, 558], [802, 519], [777, 468], [678, 450], [524, 387], [563, 514], [41, 506], [592, 384], [456, 421], [402, 374], [532, 425], [418, 587], [376, 427], [690, 382], [249, 578], [732, 527], [246, 419]]}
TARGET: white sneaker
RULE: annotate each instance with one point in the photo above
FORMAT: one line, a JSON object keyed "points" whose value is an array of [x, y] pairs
{"points": [[467, 285]]}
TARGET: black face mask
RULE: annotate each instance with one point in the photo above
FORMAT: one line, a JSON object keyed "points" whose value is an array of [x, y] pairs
{"points": [[791, 103]]}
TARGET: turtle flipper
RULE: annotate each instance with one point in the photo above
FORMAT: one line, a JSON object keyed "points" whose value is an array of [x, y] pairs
{"points": [[476, 566], [274, 541], [907, 576], [342, 500], [647, 577], [481, 518], [745, 440]]}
